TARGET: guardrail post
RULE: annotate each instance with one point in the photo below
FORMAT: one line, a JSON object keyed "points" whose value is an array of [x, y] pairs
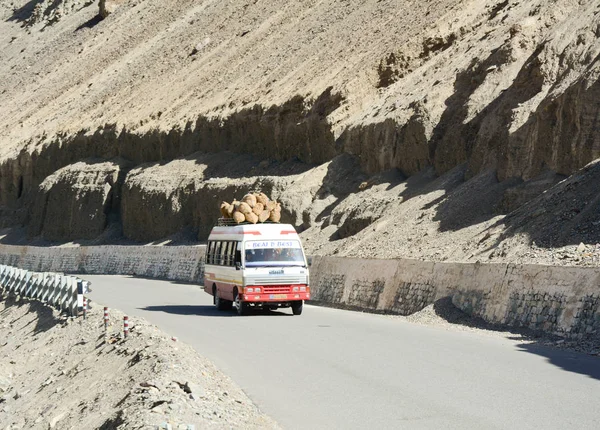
{"points": [[49, 287], [15, 280], [125, 327], [79, 289], [105, 318]]}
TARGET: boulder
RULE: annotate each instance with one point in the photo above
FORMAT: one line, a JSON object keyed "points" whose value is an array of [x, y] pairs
{"points": [[109, 6]]}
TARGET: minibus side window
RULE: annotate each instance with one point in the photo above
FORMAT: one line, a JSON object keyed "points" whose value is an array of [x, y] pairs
{"points": [[217, 256], [233, 253], [230, 252], [209, 252], [212, 253], [224, 253]]}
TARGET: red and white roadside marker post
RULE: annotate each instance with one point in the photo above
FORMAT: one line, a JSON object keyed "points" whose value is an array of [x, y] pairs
{"points": [[105, 318], [125, 327]]}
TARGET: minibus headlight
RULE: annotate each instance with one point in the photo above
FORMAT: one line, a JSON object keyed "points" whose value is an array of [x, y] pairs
{"points": [[249, 290], [295, 289], [303, 289], [257, 290]]}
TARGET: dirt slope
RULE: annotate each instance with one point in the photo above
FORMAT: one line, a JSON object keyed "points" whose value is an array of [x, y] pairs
{"points": [[452, 113], [62, 373]]}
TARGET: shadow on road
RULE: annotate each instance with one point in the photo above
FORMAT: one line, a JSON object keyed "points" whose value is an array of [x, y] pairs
{"points": [[203, 310], [207, 311], [577, 356], [568, 360]]}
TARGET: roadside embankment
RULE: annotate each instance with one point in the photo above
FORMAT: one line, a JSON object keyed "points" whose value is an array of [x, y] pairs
{"points": [[58, 372]]}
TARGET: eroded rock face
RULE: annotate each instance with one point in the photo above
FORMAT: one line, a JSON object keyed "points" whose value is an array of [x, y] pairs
{"points": [[47, 12], [160, 200], [75, 202]]}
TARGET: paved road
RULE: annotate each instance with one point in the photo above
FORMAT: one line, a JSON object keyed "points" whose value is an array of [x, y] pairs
{"points": [[332, 369]]}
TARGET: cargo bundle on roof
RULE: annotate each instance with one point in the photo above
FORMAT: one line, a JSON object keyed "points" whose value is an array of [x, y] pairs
{"points": [[254, 208]]}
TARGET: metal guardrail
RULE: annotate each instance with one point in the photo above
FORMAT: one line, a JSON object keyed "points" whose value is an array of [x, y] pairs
{"points": [[63, 292]]}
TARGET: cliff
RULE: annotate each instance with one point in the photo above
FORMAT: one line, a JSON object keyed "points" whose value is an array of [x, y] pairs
{"points": [[388, 128]]}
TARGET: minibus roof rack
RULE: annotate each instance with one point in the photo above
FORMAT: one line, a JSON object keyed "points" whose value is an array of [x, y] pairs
{"points": [[230, 222]]}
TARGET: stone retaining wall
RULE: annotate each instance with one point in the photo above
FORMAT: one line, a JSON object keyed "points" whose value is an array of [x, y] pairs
{"points": [[562, 300], [181, 263]]}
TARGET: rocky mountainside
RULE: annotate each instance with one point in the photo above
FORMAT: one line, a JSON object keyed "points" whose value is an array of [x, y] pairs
{"points": [[440, 129]]}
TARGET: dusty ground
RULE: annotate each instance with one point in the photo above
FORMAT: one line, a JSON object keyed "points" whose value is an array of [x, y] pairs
{"points": [[58, 372]]}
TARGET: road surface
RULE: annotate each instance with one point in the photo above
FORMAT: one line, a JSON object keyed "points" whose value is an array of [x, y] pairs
{"points": [[333, 369]]}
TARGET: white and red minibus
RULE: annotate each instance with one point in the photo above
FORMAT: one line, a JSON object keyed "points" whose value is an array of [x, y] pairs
{"points": [[256, 265]]}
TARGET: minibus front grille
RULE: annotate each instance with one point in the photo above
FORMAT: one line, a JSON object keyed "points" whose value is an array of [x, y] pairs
{"points": [[277, 289]]}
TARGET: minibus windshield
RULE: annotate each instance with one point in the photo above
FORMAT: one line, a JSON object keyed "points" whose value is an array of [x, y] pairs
{"points": [[273, 253]]}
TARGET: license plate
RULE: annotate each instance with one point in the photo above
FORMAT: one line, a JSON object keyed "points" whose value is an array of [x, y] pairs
{"points": [[278, 296]]}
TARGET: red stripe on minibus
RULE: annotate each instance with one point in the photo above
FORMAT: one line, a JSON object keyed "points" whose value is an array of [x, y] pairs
{"points": [[256, 233]]}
